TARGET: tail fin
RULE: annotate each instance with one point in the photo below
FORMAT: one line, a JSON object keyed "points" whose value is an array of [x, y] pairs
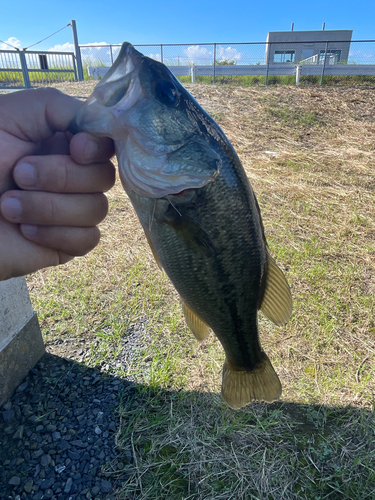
{"points": [[240, 387]]}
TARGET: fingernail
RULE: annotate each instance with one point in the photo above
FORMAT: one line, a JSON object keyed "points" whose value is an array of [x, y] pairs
{"points": [[11, 207], [91, 149], [25, 175], [28, 230]]}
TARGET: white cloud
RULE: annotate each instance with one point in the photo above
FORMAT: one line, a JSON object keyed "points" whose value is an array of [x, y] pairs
{"points": [[98, 55], [199, 55], [93, 53], [13, 41], [358, 55], [157, 57], [228, 54], [66, 47]]}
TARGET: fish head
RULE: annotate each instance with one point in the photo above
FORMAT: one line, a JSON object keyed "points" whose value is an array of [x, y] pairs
{"points": [[159, 130]]}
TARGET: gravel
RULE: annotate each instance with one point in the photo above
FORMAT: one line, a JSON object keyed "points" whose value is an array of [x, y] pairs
{"points": [[57, 433]]}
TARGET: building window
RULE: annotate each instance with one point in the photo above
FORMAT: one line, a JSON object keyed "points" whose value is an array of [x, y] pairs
{"points": [[284, 56], [333, 56]]}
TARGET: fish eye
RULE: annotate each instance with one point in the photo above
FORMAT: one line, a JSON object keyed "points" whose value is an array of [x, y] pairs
{"points": [[167, 93], [117, 96]]}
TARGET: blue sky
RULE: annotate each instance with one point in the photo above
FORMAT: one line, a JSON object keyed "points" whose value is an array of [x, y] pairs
{"points": [[167, 21]]}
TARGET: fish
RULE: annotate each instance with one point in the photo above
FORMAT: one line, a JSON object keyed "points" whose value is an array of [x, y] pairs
{"points": [[198, 211]]}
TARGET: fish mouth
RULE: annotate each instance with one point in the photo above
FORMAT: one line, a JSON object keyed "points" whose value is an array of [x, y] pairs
{"points": [[117, 81], [118, 91]]}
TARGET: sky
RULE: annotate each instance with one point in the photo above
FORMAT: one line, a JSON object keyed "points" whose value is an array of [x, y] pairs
{"points": [[166, 21]]}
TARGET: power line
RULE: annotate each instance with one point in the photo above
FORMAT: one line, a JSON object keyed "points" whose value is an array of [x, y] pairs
{"points": [[33, 45], [13, 47], [48, 36]]}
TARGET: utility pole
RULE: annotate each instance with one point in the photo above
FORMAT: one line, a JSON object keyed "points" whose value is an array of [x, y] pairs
{"points": [[77, 51]]}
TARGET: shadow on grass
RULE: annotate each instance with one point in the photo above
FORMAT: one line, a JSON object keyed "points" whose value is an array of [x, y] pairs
{"points": [[70, 431]]}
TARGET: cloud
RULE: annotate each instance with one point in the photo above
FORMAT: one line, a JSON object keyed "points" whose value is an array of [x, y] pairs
{"points": [[13, 41], [199, 55], [66, 47], [358, 55], [227, 54], [100, 54], [157, 57]]}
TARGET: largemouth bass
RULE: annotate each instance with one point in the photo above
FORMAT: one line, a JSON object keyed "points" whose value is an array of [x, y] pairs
{"points": [[198, 211]]}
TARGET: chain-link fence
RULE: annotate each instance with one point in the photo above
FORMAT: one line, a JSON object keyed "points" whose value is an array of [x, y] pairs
{"points": [[19, 68], [308, 62]]}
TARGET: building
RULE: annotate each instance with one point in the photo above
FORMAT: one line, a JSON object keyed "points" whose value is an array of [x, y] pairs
{"points": [[308, 47]]}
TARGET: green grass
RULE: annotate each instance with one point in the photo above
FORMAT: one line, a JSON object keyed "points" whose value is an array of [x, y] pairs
{"points": [[305, 80], [36, 77], [97, 63], [190, 445]]}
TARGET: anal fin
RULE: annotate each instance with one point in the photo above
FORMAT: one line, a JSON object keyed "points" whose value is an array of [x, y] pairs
{"points": [[240, 387], [277, 302], [198, 327]]}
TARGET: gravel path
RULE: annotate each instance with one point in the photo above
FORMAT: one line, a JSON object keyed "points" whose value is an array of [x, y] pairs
{"points": [[57, 434]]}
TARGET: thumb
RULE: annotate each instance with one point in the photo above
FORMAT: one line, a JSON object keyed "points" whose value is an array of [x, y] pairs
{"points": [[34, 115]]}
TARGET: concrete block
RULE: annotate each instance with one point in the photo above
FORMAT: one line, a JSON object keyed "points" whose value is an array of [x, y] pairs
{"points": [[21, 343]]}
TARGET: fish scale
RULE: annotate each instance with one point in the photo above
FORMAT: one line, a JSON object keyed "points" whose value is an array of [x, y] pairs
{"points": [[198, 211]]}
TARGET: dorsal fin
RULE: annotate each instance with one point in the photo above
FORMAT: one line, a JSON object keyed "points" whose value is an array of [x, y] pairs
{"points": [[277, 303], [198, 327]]}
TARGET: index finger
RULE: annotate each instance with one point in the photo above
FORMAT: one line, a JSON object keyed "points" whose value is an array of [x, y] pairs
{"points": [[86, 149]]}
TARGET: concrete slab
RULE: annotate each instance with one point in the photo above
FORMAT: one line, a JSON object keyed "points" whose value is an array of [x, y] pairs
{"points": [[21, 343]]}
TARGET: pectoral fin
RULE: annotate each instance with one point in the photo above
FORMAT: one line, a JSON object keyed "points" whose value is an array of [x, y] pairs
{"points": [[191, 232], [154, 252], [276, 304], [198, 327]]}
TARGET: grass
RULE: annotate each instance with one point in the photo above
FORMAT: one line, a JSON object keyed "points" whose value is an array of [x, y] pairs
{"points": [[92, 62], [308, 153], [305, 80], [36, 77], [278, 451]]}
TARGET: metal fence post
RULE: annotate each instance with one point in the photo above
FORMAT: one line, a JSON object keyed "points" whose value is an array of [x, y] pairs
{"points": [[214, 62], [161, 52], [268, 45], [324, 64], [110, 48], [192, 73], [77, 51], [25, 72], [298, 73], [74, 67]]}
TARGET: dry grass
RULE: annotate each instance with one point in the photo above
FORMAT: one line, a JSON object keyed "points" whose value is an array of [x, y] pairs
{"points": [[309, 155]]}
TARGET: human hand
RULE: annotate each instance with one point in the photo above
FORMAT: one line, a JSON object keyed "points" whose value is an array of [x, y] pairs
{"points": [[51, 183]]}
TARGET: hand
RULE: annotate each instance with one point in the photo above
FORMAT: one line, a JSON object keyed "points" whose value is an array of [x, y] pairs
{"points": [[51, 183]]}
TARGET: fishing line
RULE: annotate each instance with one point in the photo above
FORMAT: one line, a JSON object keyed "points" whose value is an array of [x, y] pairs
{"points": [[152, 216]]}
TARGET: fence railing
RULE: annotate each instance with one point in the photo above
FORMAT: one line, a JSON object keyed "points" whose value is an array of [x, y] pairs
{"points": [[315, 62], [261, 62], [26, 69]]}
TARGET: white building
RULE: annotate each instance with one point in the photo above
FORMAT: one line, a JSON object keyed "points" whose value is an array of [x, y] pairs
{"points": [[308, 47]]}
